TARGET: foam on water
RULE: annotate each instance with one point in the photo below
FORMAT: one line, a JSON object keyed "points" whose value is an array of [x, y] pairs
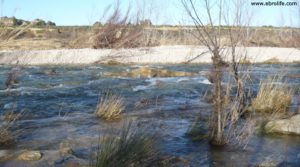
{"points": [[154, 81], [22, 89], [95, 67]]}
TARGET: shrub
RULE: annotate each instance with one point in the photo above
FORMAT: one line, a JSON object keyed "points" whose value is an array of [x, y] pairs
{"points": [[12, 78], [132, 146], [197, 130], [50, 23], [272, 97], [6, 137], [245, 61], [10, 116], [119, 32], [39, 23], [117, 35], [97, 24], [110, 107], [17, 22], [272, 61]]}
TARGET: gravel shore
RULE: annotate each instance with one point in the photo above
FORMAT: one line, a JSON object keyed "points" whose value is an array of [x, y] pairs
{"points": [[161, 54]]}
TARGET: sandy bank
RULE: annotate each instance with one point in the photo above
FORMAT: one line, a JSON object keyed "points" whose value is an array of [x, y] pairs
{"points": [[161, 54]]}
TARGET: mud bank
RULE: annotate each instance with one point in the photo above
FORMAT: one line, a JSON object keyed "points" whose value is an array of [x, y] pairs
{"points": [[162, 54]]}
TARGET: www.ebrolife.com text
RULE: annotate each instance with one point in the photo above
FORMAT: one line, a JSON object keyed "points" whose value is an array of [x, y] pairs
{"points": [[274, 3]]}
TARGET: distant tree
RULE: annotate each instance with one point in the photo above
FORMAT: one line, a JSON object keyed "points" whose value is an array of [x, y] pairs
{"points": [[50, 23], [14, 20], [8, 22], [146, 22], [18, 22], [97, 24], [267, 26], [39, 23]]}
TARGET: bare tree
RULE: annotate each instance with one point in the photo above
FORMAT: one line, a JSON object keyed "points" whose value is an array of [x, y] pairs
{"points": [[209, 31], [237, 35], [120, 30], [209, 36]]}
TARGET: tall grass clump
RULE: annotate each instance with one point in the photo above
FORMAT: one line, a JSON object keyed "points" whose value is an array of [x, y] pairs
{"points": [[12, 78], [272, 61], [197, 130], [131, 146], [6, 137], [273, 96], [110, 107]]}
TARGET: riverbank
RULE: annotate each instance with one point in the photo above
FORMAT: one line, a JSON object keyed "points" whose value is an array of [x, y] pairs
{"points": [[163, 54]]}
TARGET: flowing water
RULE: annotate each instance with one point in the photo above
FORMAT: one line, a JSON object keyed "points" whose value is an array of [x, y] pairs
{"points": [[58, 104]]}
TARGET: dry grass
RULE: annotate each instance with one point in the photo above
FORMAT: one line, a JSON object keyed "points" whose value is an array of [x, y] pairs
{"points": [[244, 61], [33, 44], [240, 133], [119, 31], [10, 116], [12, 78], [118, 36], [273, 96], [110, 107], [132, 146], [198, 130], [272, 61], [80, 37], [6, 137], [143, 102], [296, 62]]}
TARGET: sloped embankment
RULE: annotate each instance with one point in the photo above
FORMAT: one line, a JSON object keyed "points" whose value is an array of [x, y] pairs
{"points": [[161, 54]]}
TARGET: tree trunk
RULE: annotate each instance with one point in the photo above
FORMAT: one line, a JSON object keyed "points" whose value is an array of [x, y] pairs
{"points": [[217, 135]]}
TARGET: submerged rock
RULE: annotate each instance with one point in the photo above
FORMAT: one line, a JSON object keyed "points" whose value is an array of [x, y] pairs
{"points": [[271, 161], [113, 62], [174, 160], [64, 148], [284, 126], [30, 156], [147, 72], [4, 155], [52, 72], [70, 161]]}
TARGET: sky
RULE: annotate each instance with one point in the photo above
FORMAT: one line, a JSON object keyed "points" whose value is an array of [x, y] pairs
{"points": [[86, 12]]}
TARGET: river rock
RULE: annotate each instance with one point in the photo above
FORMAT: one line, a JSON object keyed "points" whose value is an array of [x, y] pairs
{"points": [[65, 148], [271, 161], [70, 161], [177, 161], [284, 126], [30, 156], [4, 155], [147, 72], [113, 63]]}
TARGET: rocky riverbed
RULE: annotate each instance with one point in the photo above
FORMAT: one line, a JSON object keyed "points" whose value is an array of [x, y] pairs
{"points": [[58, 126]]}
